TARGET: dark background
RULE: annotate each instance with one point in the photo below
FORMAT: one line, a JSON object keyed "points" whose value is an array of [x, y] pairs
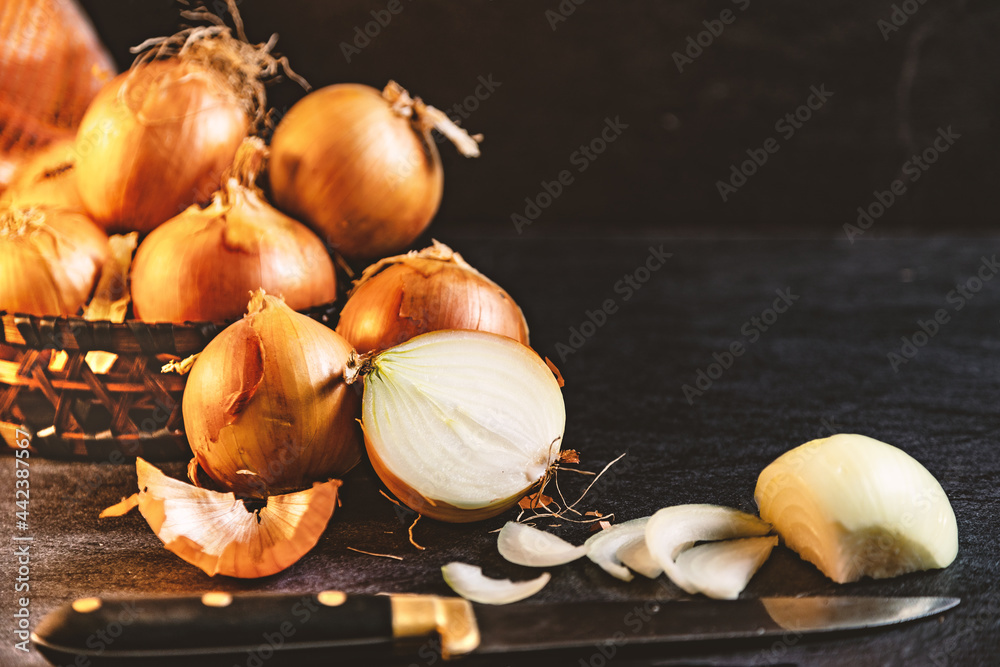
{"points": [[685, 129]]}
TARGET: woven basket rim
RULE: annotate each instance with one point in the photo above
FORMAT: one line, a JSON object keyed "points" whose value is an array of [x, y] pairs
{"points": [[129, 337]]}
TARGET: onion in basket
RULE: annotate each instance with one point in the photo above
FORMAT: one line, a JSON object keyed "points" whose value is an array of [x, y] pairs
{"points": [[159, 137], [51, 260], [361, 167], [200, 265]]}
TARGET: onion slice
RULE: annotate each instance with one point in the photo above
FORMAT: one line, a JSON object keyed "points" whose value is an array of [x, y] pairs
{"points": [[636, 556], [525, 545], [469, 582], [675, 529], [605, 547], [218, 533], [721, 570]]}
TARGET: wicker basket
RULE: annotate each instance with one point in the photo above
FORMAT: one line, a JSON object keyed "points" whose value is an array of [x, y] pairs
{"points": [[75, 413]]}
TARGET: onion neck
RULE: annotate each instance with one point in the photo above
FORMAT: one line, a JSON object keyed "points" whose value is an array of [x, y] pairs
{"points": [[244, 66], [21, 221], [358, 366], [425, 118]]}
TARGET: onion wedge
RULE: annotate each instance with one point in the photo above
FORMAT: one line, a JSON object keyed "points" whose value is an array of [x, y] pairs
{"points": [[524, 545], [605, 547], [675, 529], [469, 582], [856, 507], [218, 533], [721, 570]]}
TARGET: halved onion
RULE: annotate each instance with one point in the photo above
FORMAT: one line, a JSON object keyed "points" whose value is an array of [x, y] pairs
{"points": [[675, 529], [221, 534], [723, 569], [855, 507], [460, 424], [469, 582], [525, 545], [604, 547]]}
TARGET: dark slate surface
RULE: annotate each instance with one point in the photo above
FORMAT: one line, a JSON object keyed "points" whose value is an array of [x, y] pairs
{"points": [[821, 367]]}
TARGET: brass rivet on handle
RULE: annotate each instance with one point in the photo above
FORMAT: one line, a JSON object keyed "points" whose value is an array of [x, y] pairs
{"points": [[86, 605], [216, 599], [332, 598]]}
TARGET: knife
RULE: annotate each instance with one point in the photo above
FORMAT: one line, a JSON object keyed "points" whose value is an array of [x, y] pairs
{"points": [[253, 629]]}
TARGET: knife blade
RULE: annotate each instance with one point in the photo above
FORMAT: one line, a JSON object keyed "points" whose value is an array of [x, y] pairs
{"points": [[253, 629]]}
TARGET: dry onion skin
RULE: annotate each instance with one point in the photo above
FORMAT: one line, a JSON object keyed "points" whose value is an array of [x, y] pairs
{"points": [[266, 408], [160, 137], [470, 582], [200, 265], [460, 425], [222, 534], [361, 167], [47, 179], [854, 506], [51, 261], [404, 296], [51, 66]]}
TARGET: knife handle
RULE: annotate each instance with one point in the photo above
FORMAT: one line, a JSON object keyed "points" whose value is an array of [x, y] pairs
{"points": [[220, 624]]}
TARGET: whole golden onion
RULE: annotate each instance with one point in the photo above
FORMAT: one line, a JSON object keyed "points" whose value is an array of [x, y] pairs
{"points": [[361, 167], [46, 179], [266, 408], [202, 264], [51, 66], [51, 260], [157, 139], [401, 297], [160, 137]]}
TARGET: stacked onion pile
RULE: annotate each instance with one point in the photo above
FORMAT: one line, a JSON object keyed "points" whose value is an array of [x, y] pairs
{"points": [[272, 405]]}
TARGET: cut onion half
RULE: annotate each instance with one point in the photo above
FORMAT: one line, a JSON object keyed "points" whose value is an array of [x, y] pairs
{"points": [[469, 582], [721, 570], [220, 534], [460, 424], [605, 547], [855, 507], [525, 545], [675, 529]]}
